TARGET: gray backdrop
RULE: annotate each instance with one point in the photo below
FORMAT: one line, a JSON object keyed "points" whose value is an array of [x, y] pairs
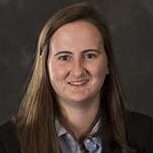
{"points": [[130, 21]]}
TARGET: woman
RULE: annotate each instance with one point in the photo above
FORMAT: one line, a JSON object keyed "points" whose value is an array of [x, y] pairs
{"points": [[74, 101]]}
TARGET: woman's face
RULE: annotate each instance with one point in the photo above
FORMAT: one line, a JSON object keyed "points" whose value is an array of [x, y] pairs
{"points": [[77, 63]]}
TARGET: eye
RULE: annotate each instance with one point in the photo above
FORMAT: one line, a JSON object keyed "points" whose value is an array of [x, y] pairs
{"points": [[89, 56], [64, 57]]}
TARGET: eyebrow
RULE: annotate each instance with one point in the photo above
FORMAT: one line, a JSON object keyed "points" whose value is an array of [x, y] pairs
{"points": [[91, 50], [63, 52], [84, 51]]}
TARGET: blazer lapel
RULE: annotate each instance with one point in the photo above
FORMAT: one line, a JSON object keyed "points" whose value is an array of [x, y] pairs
{"points": [[107, 148]]}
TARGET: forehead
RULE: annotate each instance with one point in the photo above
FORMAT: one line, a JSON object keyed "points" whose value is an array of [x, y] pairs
{"points": [[77, 32], [80, 24]]}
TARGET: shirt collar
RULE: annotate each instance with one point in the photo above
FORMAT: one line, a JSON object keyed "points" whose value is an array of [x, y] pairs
{"points": [[62, 131], [59, 128]]}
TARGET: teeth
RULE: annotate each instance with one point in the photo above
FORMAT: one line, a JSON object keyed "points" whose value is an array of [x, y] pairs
{"points": [[77, 83]]}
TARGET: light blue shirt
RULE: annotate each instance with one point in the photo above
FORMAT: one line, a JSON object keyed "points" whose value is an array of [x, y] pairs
{"points": [[69, 145]]}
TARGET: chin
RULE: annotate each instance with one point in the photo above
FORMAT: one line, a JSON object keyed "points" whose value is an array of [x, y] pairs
{"points": [[80, 100]]}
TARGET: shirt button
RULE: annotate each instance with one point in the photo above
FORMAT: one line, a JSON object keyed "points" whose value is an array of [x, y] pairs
{"points": [[88, 141], [91, 145]]}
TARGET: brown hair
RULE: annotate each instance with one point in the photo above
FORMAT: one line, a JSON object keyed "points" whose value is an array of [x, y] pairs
{"points": [[36, 118]]}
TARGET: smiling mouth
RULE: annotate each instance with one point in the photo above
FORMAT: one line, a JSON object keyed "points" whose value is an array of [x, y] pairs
{"points": [[78, 83]]}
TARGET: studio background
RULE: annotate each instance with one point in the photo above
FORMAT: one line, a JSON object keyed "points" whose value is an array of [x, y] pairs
{"points": [[131, 25]]}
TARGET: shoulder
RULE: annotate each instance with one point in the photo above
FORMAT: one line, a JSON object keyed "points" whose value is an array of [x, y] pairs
{"points": [[135, 120], [9, 142], [140, 131]]}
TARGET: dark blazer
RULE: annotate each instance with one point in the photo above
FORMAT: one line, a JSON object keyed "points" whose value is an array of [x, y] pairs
{"points": [[139, 134]]}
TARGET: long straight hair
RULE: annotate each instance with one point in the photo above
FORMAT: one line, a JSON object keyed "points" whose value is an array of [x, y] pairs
{"points": [[36, 118]]}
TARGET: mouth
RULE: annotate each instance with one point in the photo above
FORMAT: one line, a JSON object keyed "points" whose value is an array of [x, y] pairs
{"points": [[78, 83]]}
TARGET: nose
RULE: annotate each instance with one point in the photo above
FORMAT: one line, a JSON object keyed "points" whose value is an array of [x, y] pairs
{"points": [[78, 68]]}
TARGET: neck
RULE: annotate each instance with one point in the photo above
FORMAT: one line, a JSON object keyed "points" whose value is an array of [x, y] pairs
{"points": [[80, 118]]}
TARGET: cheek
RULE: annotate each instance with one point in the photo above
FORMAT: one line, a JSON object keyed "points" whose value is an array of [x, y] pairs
{"points": [[56, 72], [100, 68]]}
